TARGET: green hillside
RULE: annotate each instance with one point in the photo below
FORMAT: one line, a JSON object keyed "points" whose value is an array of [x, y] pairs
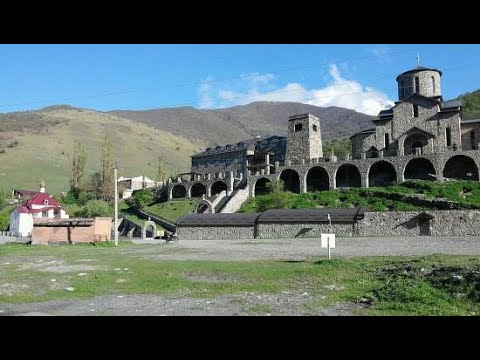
{"points": [[38, 145], [471, 105]]}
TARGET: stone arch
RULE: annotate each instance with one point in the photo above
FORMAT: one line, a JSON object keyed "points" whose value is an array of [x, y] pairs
{"points": [[372, 152], [347, 176], [317, 179], [381, 173], [421, 169], [198, 190], [149, 230], [179, 192], [413, 141], [217, 187], [204, 207], [461, 167], [291, 180], [260, 187]]}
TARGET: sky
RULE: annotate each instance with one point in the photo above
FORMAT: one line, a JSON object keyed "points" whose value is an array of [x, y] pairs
{"points": [[211, 76]]}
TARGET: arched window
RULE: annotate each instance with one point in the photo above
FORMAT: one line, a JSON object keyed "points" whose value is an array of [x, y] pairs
{"points": [[472, 140], [415, 111], [448, 136], [417, 84], [387, 141], [433, 84]]}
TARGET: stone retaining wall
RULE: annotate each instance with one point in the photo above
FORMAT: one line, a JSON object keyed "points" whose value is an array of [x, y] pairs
{"points": [[272, 231], [215, 232], [407, 223]]}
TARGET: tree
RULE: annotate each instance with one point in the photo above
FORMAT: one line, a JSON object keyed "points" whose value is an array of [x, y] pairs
{"points": [[79, 160], [108, 183], [141, 198], [161, 174], [96, 208]]}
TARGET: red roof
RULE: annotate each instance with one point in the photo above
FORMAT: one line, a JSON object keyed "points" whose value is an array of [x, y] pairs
{"points": [[39, 199]]}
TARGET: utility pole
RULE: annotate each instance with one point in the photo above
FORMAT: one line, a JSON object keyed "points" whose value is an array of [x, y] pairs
{"points": [[115, 224]]}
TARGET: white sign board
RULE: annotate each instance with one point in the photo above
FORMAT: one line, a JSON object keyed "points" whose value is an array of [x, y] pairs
{"points": [[326, 238]]}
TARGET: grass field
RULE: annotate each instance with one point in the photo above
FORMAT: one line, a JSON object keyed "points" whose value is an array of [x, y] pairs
{"points": [[431, 285]]}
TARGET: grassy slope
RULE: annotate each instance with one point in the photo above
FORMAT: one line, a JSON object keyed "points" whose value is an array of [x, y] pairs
{"points": [[172, 210], [466, 192], [394, 285], [136, 148]]}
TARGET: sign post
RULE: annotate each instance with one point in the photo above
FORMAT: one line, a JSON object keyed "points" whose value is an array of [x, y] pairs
{"points": [[328, 240]]}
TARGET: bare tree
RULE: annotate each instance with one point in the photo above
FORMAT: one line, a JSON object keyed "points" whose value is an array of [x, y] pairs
{"points": [[107, 188], [79, 161], [161, 173]]}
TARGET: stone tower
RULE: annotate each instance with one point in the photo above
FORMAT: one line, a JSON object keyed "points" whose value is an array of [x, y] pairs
{"points": [[304, 138], [421, 80]]}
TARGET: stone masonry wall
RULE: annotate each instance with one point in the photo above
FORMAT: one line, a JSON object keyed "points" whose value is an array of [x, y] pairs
{"points": [[215, 232], [405, 223], [272, 231], [466, 137]]}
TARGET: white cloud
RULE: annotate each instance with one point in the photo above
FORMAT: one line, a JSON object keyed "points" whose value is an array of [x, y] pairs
{"points": [[340, 92], [382, 53]]}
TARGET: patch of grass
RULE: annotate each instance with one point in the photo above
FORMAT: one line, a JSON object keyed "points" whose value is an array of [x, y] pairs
{"points": [[374, 198], [172, 210], [431, 285]]}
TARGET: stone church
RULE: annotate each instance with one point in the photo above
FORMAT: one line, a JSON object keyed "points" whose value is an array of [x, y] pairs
{"points": [[419, 123]]}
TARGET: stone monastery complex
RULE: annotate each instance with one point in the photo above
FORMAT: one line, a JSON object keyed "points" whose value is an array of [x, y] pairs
{"points": [[420, 137]]}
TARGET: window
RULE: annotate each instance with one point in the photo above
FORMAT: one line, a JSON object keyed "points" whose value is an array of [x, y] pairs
{"points": [[415, 111], [45, 202], [472, 140], [402, 89], [417, 85], [433, 84], [44, 214], [56, 213], [387, 141], [314, 127], [297, 127], [448, 136]]}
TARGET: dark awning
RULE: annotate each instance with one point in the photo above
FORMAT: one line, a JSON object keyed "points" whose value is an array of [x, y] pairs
{"points": [[218, 220], [311, 215]]}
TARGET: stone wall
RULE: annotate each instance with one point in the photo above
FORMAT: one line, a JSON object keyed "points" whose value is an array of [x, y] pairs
{"points": [[215, 232], [466, 136], [295, 230], [406, 223]]}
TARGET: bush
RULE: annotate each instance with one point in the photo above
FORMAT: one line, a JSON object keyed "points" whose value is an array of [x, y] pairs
{"points": [[5, 217], [141, 198]]}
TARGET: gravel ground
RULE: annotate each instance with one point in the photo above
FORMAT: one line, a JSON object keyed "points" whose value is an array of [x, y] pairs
{"points": [[300, 249], [286, 304]]}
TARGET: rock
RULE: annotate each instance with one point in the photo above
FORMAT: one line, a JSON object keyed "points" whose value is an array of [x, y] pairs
{"points": [[69, 288]]}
